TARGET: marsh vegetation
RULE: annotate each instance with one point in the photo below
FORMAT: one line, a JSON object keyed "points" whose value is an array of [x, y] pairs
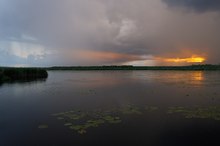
{"points": [[21, 74]]}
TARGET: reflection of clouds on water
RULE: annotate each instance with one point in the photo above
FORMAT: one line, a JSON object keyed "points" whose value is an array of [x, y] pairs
{"points": [[116, 78], [131, 103], [95, 79], [23, 87]]}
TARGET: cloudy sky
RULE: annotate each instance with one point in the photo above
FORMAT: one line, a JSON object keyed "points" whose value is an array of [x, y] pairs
{"points": [[107, 32]]}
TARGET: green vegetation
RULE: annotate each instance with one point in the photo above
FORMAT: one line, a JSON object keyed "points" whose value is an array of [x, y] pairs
{"points": [[129, 109], [80, 121], [21, 74], [212, 112], [128, 67], [44, 126]]}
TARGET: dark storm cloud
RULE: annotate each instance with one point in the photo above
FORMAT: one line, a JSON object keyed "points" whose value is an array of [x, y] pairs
{"points": [[85, 24], [54, 31], [197, 5]]}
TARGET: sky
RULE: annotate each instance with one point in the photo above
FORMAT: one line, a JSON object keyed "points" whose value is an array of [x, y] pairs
{"points": [[109, 32]]}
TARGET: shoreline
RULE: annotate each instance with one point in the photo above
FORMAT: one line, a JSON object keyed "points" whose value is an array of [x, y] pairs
{"points": [[180, 68], [10, 74]]}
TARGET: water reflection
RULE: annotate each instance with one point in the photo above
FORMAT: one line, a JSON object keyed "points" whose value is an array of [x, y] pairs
{"points": [[198, 76], [137, 101], [91, 79], [23, 82], [113, 78], [191, 78]]}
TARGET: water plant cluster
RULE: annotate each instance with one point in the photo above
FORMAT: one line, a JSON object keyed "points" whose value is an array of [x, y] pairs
{"points": [[43, 126], [212, 112], [81, 121]]}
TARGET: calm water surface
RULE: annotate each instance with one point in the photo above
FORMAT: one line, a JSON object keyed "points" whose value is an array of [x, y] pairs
{"points": [[26, 106]]}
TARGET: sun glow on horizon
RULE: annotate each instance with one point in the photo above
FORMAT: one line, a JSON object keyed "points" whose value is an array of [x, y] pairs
{"points": [[186, 60]]}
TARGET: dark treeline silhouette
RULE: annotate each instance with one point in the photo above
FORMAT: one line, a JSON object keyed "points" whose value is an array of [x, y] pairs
{"points": [[128, 67], [21, 74], [8, 74]]}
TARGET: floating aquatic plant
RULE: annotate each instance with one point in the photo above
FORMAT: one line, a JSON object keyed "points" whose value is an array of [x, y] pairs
{"points": [[112, 120], [81, 128], [176, 110], [43, 126], [67, 124], [60, 118], [81, 121], [75, 116], [129, 109], [212, 112], [82, 131]]}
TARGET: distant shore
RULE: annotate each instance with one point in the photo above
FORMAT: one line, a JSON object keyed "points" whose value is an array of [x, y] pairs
{"points": [[9, 74], [181, 68]]}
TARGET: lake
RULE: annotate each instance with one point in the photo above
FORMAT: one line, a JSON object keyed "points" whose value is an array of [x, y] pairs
{"points": [[112, 108]]}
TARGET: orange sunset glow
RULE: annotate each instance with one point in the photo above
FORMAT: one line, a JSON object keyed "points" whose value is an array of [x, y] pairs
{"points": [[140, 60], [186, 60]]}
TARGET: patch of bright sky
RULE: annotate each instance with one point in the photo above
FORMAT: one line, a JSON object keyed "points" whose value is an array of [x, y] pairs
{"points": [[23, 50]]}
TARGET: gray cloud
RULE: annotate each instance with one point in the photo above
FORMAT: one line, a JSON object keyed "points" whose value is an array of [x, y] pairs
{"points": [[197, 5], [140, 27]]}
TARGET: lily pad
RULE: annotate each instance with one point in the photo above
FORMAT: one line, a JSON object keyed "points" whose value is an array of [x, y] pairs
{"points": [[212, 112], [128, 109], [60, 118], [74, 116], [80, 121], [112, 120], [176, 110], [81, 128], [67, 124], [82, 131], [43, 126]]}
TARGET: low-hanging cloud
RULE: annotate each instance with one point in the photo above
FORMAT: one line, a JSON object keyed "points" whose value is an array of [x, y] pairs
{"points": [[122, 27]]}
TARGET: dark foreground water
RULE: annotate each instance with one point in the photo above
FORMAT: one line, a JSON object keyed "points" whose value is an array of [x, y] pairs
{"points": [[117, 108]]}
